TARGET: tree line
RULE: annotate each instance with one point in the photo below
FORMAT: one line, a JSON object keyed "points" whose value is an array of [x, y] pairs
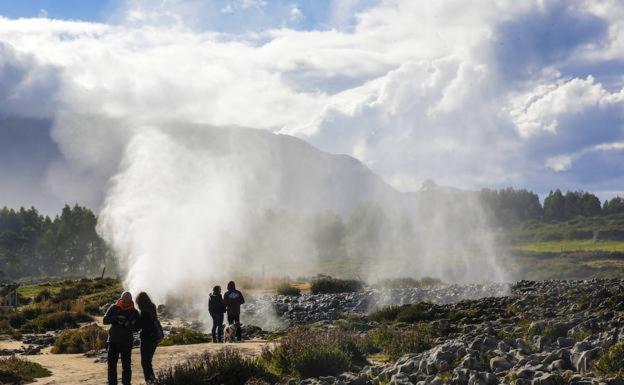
{"points": [[509, 207], [33, 245]]}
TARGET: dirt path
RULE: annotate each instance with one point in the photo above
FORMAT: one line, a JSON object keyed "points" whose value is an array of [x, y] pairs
{"points": [[74, 369]]}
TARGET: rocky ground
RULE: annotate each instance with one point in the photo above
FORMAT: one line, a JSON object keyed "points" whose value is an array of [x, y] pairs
{"points": [[541, 333]]}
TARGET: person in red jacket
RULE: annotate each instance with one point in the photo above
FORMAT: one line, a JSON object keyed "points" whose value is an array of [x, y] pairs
{"points": [[124, 321]]}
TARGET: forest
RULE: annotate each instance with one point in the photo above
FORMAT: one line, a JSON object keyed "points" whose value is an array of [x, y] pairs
{"points": [[35, 245]]}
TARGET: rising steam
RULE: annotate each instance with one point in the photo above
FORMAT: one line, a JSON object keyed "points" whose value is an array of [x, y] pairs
{"points": [[196, 205]]}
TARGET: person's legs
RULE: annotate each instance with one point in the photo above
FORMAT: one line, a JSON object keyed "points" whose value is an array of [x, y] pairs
{"points": [[113, 357], [126, 364], [215, 327], [148, 348], [239, 329], [219, 322]]}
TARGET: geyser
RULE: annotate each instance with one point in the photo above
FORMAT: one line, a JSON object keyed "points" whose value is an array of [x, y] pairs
{"points": [[194, 205]]}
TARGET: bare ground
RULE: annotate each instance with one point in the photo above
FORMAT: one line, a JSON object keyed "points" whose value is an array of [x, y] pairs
{"points": [[71, 369]]}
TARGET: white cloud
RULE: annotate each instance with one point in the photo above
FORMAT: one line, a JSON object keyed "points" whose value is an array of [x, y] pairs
{"points": [[416, 89]]}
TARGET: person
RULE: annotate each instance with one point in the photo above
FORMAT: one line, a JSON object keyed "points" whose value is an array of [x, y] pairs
{"points": [[124, 321], [233, 299], [216, 308], [151, 334]]}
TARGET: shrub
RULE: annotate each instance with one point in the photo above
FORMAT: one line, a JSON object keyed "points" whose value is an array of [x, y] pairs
{"points": [[580, 234], [14, 370], [184, 336], [396, 342], [413, 340], [325, 284], [407, 313], [385, 314], [612, 361], [81, 340], [555, 331], [288, 289], [43, 295], [321, 362], [610, 235], [6, 328], [57, 320], [227, 367], [17, 320], [305, 352]]}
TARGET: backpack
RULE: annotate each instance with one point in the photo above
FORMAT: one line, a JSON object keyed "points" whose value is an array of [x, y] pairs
{"points": [[160, 334]]}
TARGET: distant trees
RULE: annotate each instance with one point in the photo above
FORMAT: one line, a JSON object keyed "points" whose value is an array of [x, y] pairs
{"points": [[559, 207], [32, 244], [509, 207]]}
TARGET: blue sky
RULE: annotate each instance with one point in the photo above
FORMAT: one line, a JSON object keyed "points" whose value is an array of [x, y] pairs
{"points": [[91, 10], [525, 94]]}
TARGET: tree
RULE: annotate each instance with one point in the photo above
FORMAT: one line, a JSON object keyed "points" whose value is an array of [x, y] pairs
{"points": [[554, 206]]}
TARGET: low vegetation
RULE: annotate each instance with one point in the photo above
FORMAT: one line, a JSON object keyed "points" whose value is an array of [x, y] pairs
{"points": [[326, 284], [185, 336], [287, 289], [57, 321], [14, 370], [393, 343], [227, 367], [305, 352], [611, 362], [81, 340], [412, 313], [399, 283]]}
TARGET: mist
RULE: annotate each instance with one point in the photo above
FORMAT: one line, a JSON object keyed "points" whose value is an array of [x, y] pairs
{"points": [[198, 205], [345, 125]]}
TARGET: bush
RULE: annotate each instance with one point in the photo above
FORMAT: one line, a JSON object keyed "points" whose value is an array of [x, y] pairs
{"points": [[15, 370], [57, 320], [397, 283], [394, 344], [305, 352], [610, 235], [407, 313], [288, 289], [321, 362], [612, 361], [227, 367], [184, 336], [385, 314], [81, 340], [326, 284], [580, 234]]}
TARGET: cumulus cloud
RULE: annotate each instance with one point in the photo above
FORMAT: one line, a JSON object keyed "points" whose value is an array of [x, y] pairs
{"points": [[493, 94]]}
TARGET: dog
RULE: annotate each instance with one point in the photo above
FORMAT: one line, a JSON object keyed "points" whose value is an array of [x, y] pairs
{"points": [[229, 334]]}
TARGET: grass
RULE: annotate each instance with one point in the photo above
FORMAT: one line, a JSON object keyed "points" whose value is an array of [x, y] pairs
{"points": [[288, 289], [611, 362], [571, 245], [226, 367], [56, 321], [81, 340], [184, 336], [306, 352], [14, 370], [326, 284], [407, 313]]}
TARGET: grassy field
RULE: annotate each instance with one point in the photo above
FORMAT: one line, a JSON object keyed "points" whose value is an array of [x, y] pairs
{"points": [[571, 245]]}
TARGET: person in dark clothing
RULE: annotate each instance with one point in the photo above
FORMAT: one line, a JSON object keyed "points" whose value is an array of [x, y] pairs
{"points": [[124, 321], [216, 308], [233, 299], [151, 334]]}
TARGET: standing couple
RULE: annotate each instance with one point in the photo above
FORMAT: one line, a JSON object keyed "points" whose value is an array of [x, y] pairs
{"points": [[230, 303], [125, 320]]}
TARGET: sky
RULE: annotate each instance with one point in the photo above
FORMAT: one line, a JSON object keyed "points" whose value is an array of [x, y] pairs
{"points": [[471, 94]]}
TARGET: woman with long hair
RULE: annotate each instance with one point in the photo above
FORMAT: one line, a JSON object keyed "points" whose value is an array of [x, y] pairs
{"points": [[151, 334]]}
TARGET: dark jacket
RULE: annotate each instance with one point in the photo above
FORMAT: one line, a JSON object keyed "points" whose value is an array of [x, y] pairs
{"points": [[148, 327], [123, 324], [232, 300], [215, 304]]}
